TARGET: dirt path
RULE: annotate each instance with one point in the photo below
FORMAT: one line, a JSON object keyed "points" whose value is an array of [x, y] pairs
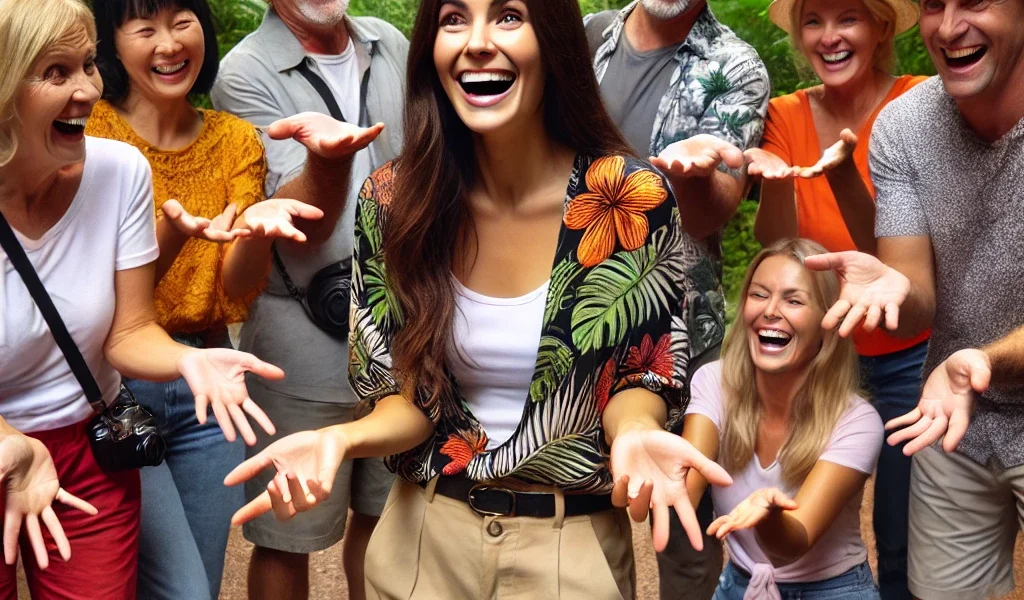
{"points": [[327, 580]]}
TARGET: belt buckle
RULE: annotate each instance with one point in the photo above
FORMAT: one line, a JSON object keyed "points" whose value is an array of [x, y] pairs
{"points": [[480, 487]]}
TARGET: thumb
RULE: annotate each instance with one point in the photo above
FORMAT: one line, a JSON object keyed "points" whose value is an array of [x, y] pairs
{"points": [[287, 127], [782, 501], [172, 209], [981, 376], [731, 155], [825, 262]]}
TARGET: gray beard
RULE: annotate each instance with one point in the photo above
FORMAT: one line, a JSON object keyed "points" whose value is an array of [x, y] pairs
{"points": [[663, 10], [324, 15]]}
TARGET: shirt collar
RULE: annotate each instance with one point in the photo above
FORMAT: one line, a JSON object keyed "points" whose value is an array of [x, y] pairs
{"points": [[288, 51], [704, 31]]}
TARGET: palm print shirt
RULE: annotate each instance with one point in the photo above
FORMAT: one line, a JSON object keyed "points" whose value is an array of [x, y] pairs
{"points": [[611, 322], [720, 88]]}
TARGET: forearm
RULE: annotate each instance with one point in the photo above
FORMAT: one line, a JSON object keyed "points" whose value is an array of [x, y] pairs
{"points": [[776, 212], [324, 184], [782, 537], [1007, 358], [634, 409], [170, 240], [395, 425], [246, 263], [706, 203], [145, 352], [855, 204]]}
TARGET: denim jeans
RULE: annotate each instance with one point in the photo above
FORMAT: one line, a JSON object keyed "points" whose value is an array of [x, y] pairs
{"points": [[186, 508], [893, 382], [855, 584]]}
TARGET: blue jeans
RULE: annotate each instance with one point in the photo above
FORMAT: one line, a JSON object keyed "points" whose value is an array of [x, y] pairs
{"points": [[893, 382], [855, 584], [186, 508]]}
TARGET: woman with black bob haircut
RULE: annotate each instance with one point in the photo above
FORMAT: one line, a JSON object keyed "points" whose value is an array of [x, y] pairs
{"points": [[214, 231], [516, 326]]}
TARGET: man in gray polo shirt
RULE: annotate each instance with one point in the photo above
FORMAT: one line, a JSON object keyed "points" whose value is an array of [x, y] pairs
{"points": [[947, 159], [311, 57]]}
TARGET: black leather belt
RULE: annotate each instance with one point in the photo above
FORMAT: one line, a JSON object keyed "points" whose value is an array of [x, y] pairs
{"points": [[489, 500]]}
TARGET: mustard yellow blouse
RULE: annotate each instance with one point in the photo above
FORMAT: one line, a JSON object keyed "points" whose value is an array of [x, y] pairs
{"points": [[226, 163]]}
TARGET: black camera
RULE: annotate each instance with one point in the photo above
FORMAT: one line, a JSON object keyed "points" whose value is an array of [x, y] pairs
{"points": [[328, 297], [125, 436]]}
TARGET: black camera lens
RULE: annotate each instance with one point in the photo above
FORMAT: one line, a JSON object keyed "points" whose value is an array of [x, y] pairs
{"points": [[152, 447]]}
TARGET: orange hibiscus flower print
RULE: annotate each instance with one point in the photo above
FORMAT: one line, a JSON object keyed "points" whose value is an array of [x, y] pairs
{"points": [[461, 451], [614, 210]]}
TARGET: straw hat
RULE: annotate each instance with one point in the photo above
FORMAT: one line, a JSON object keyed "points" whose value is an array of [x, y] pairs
{"points": [[907, 14]]}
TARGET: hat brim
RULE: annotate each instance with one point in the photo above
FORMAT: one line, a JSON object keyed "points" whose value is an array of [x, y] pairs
{"points": [[907, 14]]}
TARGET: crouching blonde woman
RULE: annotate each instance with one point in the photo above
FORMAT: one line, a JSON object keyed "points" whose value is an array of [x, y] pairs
{"points": [[780, 412]]}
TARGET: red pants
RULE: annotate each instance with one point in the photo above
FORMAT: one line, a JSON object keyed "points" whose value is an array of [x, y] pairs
{"points": [[104, 548]]}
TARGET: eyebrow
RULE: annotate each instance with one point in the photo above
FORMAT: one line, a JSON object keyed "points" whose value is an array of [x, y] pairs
{"points": [[461, 4]]}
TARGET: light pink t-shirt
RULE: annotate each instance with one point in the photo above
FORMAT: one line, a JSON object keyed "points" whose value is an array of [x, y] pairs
{"points": [[855, 444]]}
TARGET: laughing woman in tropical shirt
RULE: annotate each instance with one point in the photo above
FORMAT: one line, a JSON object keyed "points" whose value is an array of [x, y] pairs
{"points": [[516, 287]]}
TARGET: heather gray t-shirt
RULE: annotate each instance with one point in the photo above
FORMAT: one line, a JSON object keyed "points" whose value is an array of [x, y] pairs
{"points": [[633, 87], [935, 177]]}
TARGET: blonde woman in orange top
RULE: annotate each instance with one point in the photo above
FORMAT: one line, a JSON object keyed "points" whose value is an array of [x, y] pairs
{"points": [[208, 171], [816, 185]]}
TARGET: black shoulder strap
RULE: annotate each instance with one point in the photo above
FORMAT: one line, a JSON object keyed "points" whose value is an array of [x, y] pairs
{"points": [[60, 333], [321, 88]]}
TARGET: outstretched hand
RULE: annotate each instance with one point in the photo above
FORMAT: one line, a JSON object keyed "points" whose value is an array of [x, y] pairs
{"points": [[698, 156], [649, 468], [755, 508], [306, 464], [768, 165], [219, 229], [323, 135], [947, 403], [29, 486], [833, 156], [870, 289], [275, 218], [216, 377]]}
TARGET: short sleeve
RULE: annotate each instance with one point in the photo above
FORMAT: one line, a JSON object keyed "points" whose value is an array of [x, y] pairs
{"points": [[899, 211], [857, 440], [775, 139], [241, 91], [374, 314], [737, 114], [136, 233], [706, 393]]}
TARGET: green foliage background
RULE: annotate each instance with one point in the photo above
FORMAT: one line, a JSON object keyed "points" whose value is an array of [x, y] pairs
{"points": [[748, 18]]}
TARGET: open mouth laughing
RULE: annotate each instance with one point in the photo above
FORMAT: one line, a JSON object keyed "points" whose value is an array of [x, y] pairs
{"points": [[836, 60], [71, 126], [486, 88], [170, 70], [773, 340], [962, 58]]}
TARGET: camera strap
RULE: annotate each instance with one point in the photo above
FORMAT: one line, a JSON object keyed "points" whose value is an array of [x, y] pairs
{"points": [[67, 345]]}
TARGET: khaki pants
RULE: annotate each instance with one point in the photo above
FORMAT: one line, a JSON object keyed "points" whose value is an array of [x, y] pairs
{"points": [[429, 546]]}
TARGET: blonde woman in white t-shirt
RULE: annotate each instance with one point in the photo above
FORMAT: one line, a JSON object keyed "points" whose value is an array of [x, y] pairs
{"points": [[81, 208], [781, 413]]}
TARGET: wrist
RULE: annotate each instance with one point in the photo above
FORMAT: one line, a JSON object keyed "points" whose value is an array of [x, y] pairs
{"points": [[342, 436]]}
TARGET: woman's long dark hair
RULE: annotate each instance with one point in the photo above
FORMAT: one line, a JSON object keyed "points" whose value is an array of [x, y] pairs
{"points": [[438, 166]]}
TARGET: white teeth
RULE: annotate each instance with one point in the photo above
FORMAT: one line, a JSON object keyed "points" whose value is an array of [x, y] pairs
{"points": [[75, 122], [773, 333], [168, 69], [477, 77], [837, 57], [963, 52]]}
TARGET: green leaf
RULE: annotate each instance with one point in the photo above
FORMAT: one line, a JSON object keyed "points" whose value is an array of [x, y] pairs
{"points": [[554, 359], [561, 277], [627, 289], [385, 308]]}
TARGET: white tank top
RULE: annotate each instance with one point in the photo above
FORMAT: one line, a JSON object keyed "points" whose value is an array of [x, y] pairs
{"points": [[494, 355]]}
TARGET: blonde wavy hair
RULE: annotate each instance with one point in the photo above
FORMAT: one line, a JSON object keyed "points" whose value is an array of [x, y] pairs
{"points": [[881, 11], [832, 380], [28, 28]]}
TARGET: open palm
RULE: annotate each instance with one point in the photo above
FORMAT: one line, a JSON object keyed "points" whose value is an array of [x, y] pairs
{"points": [[947, 403], [698, 156], [218, 230], [306, 464], [275, 218], [323, 135], [767, 165], [833, 156], [870, 290], [29, 484], [755, 508], [649, 468], [216, 377]]}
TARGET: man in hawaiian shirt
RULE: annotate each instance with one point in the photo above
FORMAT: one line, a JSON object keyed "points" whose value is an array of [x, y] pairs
{"points": [[687, 92]]}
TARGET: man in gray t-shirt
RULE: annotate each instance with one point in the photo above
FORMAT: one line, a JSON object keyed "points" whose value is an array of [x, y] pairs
{"points": [[947, 159]]}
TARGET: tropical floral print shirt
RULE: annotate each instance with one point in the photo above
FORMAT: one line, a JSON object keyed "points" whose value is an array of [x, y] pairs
{"points": [[721, 88], [611, 323]]}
